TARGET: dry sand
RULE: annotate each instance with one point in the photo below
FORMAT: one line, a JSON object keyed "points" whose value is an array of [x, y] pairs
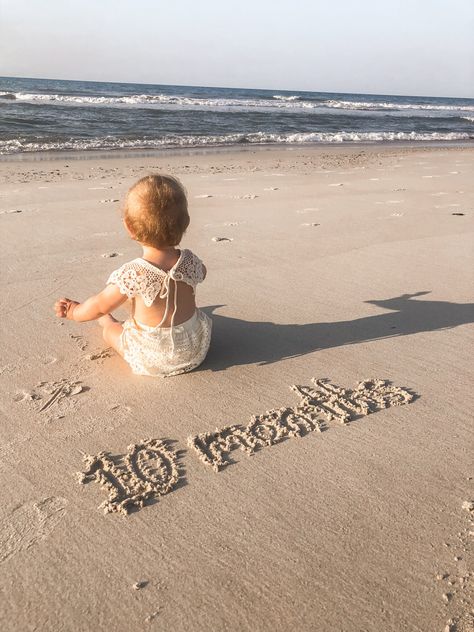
{"points": [[333, 263]]}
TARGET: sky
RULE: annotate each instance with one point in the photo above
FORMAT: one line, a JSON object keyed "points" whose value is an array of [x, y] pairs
{"points": [[408, 47]]}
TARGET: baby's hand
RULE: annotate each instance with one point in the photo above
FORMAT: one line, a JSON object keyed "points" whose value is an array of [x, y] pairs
{"points": [[64, 308]]}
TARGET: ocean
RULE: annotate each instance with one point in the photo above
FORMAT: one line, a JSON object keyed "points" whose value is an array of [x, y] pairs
{"points": [[52, 115]]}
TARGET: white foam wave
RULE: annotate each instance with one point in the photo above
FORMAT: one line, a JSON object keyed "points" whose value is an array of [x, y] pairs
{"points": [[277, 101], [284, 98], [387, 105], [468, 118], [105, 143], [158, 100]]}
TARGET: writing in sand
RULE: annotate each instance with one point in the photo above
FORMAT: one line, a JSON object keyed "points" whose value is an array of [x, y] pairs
{"points": [[150, 468]]}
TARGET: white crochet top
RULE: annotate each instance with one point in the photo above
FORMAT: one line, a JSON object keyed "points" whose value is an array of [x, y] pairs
{"points": [[142, 278]]}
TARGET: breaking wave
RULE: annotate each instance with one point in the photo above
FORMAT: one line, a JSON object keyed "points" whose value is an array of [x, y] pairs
{"points": [[110, 142], [387, 105], [277, 101]]}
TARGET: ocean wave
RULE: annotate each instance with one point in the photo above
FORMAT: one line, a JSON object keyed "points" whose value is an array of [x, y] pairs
{"points": [[468, 118], [21, 145], [183, 102], [386, 105], [281, 97], [157, 100]]}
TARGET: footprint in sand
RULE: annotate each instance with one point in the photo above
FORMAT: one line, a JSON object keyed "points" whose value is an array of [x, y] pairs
{"points": [[57, 391], [205, 195], [458, 214], [310, 224], [336, 184], [149, 469], [431, 176], [28, 524], [49, 395], [10, 211], [26, 396], [80, 341], [222, 239], [108, 255], [271, 189], [106, 201], [101, 355]]}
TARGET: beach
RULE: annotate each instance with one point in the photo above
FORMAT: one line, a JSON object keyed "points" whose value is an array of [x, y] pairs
{"points": [[336, 263]]}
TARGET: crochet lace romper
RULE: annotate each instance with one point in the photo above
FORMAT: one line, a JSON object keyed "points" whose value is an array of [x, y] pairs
{"points": [[162, 351]]}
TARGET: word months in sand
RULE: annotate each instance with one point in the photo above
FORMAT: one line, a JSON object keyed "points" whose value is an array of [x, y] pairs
{"points": [[319, 405], [150, 468]]}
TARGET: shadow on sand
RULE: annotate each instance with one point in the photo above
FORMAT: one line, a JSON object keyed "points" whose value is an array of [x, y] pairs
{"points": [[238, 341]]}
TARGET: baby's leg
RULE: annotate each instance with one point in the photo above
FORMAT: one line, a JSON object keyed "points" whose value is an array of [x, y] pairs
{"points": [[112, 330]]}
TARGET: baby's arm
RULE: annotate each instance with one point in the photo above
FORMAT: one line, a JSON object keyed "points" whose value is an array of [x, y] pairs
{"points": [[94, 307]]}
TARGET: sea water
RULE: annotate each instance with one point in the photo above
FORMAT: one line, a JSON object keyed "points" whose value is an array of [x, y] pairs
{"points": [[54, 115]]}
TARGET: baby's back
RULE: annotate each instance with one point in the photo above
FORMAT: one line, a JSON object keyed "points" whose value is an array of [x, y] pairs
{"points": [[161, 294], [153, 315]]}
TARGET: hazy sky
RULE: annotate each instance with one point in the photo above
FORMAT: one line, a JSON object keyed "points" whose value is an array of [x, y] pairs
{"points": [[416, 47]]}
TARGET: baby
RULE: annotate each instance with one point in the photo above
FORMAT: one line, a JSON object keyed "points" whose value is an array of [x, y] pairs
{"points": [[166, 334]]}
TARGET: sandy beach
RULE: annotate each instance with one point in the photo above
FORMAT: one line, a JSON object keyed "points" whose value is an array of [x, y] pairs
{"points": [[349, 510]]}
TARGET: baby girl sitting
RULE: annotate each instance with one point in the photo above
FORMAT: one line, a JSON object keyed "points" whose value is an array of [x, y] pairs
{"points": [[166, 333]]}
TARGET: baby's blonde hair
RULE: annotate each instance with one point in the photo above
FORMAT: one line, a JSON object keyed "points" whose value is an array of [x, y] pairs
{"points": [[156, 211]]}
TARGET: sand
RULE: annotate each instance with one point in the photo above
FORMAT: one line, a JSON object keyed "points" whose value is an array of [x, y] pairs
{"points": [[328, 263], [319, 405]]}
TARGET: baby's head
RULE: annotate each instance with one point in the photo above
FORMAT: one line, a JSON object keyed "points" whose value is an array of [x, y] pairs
{"points": [[156, 211]]}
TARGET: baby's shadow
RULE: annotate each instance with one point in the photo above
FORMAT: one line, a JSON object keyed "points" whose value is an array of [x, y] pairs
{"points": [[236, 341]]}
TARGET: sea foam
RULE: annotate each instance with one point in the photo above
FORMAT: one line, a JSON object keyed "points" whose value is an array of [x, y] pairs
{"points": [[110, 142], [276, 102]]}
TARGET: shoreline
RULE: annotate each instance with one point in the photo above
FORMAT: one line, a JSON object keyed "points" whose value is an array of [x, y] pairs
{"points": [[108, 154]]}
